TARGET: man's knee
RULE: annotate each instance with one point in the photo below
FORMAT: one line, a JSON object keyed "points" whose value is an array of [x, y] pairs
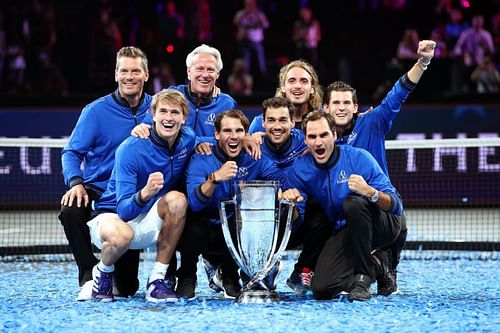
{"points": [[175, 202], [353, 204], [69, 216]]}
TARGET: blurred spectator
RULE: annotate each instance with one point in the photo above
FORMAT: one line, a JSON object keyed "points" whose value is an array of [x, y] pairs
{"points": [[240, 82], [486, 77], [105, 41], [408, 46], [443, 8], [473, 45], [454, 27], [16, 68], [495, 30], [441, 50], [251, 23], [51, 82], [201, 23], [3, 49], [161, 77], [171, 26], [306, 35]]}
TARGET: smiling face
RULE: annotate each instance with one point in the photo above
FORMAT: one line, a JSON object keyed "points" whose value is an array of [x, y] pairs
{"points": [[203, 73], [168, 120], [278, 124], [341, 107], [298, 86], [320, 139], [130, 76], [230, 137]]}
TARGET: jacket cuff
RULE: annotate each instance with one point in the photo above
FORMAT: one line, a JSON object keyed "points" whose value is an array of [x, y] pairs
{"points": [[75, 180], [137, 200], [202, 198], [406, 83]]}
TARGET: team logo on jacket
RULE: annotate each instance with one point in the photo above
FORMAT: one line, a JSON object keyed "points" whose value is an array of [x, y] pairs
{"points": [[210, 119], [342, 177], [352, 137], [182, 154], [242, 172]]}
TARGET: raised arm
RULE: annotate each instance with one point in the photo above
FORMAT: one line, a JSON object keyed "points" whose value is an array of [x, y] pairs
{"points": [[425, 53]]}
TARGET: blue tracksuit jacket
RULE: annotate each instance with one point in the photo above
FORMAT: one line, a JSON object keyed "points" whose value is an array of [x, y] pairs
{"points": [[101, 127], [286, 154], [202, 112], [201, 166], [327, 183], [135, 160], [369, 130]]}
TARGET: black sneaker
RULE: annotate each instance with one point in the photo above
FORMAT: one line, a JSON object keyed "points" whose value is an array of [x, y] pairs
{"points": [[210, 270], [301, 281], [230, 286], [186, 288], [386, 278], [360, 288]]}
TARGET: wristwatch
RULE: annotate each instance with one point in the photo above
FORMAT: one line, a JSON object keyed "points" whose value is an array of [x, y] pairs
{"points": [[374, 197], [211, 178]]}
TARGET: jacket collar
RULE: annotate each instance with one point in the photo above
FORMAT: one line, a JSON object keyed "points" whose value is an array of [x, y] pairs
{"points": [[123, 102], [198, 100]]}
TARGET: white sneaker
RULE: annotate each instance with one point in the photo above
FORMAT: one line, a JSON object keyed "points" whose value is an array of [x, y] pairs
{"points": [[85, 293]]}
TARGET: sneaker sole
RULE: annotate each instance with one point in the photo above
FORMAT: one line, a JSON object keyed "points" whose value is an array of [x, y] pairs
{"points": [[162, 300]]}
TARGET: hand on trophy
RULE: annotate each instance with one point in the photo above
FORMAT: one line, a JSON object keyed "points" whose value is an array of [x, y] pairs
{"points": [[293, 195]]}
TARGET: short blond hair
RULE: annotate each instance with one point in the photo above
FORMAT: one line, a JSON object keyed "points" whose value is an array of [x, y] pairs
{"points": [[170, 96], [132, 52]]}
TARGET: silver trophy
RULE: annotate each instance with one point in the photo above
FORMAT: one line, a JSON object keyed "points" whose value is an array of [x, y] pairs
{"points": [[257, 217]]}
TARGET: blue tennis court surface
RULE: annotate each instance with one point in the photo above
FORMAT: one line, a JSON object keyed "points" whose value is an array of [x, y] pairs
{"points": [[434, 295]]}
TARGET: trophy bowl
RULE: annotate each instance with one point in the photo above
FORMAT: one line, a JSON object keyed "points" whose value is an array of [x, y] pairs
{"points": [[256, 227]]}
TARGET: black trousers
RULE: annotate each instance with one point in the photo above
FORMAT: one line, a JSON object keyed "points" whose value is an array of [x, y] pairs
{"points": [[311, 235], [74, 220], [348, 252], [202, 237]]}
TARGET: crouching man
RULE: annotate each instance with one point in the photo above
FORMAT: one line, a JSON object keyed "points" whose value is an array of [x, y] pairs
{"points": [[359, 201], [141, 205]]}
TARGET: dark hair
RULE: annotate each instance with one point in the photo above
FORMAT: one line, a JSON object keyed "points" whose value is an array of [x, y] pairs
{"points": [[316, 115], [339, 86], [231, 113], [278, 102]]}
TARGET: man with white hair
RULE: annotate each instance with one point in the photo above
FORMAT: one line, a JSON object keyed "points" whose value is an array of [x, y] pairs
{"points": [[204, 65]]}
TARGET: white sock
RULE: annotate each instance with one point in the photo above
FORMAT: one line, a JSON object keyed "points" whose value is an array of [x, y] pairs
{"points": [[158, 272], [105, 268]]}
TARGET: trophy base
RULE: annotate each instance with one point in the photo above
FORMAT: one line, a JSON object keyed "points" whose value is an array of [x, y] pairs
{"points": [[257, 296]]}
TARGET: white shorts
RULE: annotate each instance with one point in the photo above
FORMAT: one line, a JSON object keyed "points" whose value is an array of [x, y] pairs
{"points": [[146, 228]]}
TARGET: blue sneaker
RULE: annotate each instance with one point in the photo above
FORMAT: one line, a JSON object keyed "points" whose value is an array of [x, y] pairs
{"points": [[159, 291], [102, 288]]}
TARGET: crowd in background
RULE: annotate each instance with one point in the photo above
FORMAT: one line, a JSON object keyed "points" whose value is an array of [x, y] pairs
{"points": [[58, 48]]}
